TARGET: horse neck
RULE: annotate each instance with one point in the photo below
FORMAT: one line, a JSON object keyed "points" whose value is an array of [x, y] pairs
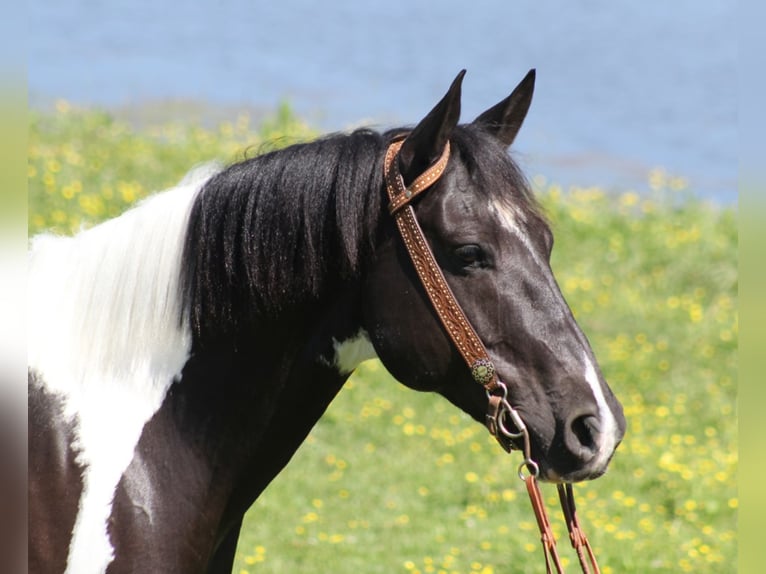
{"points": [[257, 398]]}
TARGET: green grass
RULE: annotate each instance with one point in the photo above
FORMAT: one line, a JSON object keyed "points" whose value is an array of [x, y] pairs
{"points": [[395, 481], [86, 166]]}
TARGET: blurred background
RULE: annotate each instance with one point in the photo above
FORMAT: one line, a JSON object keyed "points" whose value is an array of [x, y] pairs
{"points": [[632, 145], [623, 88]]}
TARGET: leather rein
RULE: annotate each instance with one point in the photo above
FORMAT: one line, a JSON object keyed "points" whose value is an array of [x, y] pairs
{"points": [[476, 357]]}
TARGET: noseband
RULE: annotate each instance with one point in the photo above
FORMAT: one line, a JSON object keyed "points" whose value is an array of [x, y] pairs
{"points": [[475, 354]]}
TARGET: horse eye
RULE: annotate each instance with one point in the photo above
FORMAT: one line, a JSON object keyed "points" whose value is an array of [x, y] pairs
{"points": [[470, 255]]}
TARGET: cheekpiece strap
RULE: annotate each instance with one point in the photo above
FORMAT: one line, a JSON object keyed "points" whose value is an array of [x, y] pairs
{"points": [[431, 277]]}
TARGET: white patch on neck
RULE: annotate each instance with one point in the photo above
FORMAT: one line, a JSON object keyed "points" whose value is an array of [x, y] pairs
{"points": [[351, 352], [105, 334], [609, 430]]}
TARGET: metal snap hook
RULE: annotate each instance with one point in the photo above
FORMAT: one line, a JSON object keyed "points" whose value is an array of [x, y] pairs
{"points": [[531, 467]]}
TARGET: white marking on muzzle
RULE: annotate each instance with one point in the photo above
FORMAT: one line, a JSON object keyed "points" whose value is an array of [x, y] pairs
{"points": [[510, 218], [609, 430]]}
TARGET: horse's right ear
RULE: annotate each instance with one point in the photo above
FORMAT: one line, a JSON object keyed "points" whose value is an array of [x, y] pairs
{"points": [[425, 143], [504, 120]]}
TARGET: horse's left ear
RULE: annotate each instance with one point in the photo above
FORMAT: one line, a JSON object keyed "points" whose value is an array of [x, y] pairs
{"points": [[504, 120], [425, 143]]}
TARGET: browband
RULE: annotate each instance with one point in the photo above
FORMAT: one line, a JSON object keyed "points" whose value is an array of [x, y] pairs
{"points": [[398, 194]]}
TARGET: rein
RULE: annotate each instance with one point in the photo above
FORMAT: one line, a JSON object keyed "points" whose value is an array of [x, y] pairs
{"points": [[476, 356]]}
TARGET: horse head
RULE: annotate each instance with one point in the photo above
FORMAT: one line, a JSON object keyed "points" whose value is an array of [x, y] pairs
{"points": [[493, 245]]}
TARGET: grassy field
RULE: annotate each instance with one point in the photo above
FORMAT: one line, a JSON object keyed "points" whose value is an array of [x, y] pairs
{"points": [[395, 481]]}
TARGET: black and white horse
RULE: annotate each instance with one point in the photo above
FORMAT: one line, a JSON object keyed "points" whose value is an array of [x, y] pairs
{"points": [[180, 353]]}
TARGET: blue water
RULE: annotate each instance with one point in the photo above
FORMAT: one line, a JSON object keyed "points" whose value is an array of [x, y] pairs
{"points": [[623, 87]]}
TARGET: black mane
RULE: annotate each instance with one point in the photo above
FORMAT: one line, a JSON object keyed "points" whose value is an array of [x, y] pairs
{"points": [[264, 233], [267, 234]]}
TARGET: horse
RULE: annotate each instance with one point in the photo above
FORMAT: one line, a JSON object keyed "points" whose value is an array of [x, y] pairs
{"points": [[179, 353]]}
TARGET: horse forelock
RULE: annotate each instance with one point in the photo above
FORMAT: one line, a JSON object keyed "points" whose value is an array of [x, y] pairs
{"points": [[499, 179]]}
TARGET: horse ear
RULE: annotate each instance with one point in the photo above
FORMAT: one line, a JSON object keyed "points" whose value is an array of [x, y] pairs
{"points": [[504, 120], [425, 143]]}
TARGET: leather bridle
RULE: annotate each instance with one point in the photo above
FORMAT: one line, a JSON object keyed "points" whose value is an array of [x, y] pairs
{"points": [[475, 355]]}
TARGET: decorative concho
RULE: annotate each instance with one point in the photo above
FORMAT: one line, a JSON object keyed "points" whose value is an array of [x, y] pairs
{"points": [[483, 370]]}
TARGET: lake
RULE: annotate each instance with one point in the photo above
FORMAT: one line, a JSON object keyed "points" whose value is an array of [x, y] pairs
{"points": [[622, 87]]}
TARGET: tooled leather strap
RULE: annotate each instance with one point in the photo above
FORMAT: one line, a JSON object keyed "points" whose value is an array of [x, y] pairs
{"points": [[401, 194], [446, 306]]}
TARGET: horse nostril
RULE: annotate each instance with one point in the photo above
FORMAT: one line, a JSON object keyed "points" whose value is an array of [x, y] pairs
{"points": [[584, 433]]}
